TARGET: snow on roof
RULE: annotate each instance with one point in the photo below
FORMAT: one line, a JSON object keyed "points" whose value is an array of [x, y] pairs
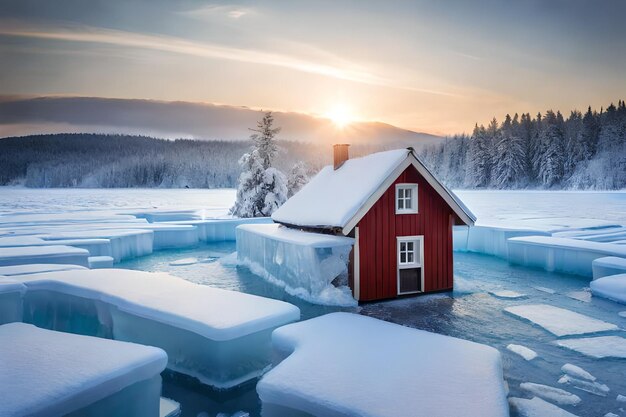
{"points": [[210, 312], [334, 197], [345, 364], [298, 237], [48, 373]]}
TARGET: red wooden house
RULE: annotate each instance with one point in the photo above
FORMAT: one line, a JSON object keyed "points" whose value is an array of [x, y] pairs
{"points": [[399, 214]]}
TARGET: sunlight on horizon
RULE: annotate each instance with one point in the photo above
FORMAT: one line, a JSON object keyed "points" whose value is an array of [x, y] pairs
{"points": [[341, 115]]}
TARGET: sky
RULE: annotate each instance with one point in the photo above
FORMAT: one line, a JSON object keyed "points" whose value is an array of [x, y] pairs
{"points": [[430, 66]]}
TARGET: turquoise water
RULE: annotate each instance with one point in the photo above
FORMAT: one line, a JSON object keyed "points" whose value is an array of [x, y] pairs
{"points": [[469, 313]]}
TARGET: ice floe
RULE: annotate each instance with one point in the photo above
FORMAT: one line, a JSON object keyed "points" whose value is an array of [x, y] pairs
{"points": [[545, 289], [597, 347], [8, 271], [592, 387], [583, 295], [304, 263], [420, 373], [572, 256], [522, 351], [610, 265], [536, 407], [48, 373], [555, 395], [220, 337], [168, 408], [507, 294], [98, 262], [43, 255], [577, 372], [11, 293], [612, 287], [184, 262], [559, 321]]}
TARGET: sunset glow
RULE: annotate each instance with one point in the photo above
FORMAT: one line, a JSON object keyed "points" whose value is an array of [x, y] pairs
{"points": [[341, 115]]}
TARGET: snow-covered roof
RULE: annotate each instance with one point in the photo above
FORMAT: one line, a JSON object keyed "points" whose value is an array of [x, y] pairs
{"points": [[344, 364], [340, 198], [48, 373]]}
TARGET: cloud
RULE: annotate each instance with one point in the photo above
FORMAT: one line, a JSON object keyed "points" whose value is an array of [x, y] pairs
{"points": [[207, 12], [328, 66]]}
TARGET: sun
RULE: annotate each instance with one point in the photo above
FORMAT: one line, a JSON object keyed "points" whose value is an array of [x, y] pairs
{"points": [[341, 115]]}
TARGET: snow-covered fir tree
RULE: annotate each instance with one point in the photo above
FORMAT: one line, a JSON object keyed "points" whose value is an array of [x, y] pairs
{"points": [[261, 188], [479, 161], [298, 177], [550, 162], [580, 152], [510, 163]]}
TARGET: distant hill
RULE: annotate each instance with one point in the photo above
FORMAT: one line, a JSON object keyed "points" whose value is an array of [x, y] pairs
{"points": [[42, 115]]}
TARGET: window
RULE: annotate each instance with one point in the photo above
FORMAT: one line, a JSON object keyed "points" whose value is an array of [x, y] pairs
{"points": [[406, 198], [407, 253]]}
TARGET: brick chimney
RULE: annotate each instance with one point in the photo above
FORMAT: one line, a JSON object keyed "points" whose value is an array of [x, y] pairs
{"points": [[340, 154]]}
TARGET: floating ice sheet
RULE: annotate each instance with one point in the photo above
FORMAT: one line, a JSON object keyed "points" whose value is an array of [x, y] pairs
{"points": [[304, 263], [592, 387], [570, 256], [610, 265], [43, 255], [507, 294], [597, 347], [577, 372], [420, 373], [8, 271], [221, 337], [47, 373], [184, 262], [612, 287], [559, 321], [552, 394], [523, 351], [536, 407]]}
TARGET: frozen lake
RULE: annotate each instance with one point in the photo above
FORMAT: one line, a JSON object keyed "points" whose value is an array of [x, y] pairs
{"points": [[471, 312], [475, 311]]}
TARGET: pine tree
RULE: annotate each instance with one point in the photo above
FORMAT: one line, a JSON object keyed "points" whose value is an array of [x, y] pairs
{"points": [[262, 188], [550, 161], [264, 139], [297, 178], [510, 163], [479, 159]]}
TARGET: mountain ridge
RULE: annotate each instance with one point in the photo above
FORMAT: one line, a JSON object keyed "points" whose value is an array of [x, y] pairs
{"points": [[23, 116]]}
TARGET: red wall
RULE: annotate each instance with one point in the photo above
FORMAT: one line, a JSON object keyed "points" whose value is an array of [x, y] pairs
{"points": [[379, 228]]}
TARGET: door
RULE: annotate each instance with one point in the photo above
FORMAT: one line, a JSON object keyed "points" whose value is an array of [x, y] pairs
{"points": [[410, 268]]}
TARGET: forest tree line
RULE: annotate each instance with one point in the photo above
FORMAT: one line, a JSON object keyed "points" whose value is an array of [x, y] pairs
{"points": [[582, 151], [113, 161]]}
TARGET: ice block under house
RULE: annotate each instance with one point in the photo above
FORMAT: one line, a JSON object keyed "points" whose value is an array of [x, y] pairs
{"points": [[399, 215]]}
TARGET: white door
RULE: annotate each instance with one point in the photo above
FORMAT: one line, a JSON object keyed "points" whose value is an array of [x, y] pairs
{"points": [[410, 267]]}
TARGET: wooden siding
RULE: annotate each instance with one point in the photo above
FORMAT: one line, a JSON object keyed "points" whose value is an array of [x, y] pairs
{"points": [[379, 228]]}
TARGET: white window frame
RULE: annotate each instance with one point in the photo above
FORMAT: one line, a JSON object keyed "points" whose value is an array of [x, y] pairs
{"points": [[418, 262], [413, 198]]}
